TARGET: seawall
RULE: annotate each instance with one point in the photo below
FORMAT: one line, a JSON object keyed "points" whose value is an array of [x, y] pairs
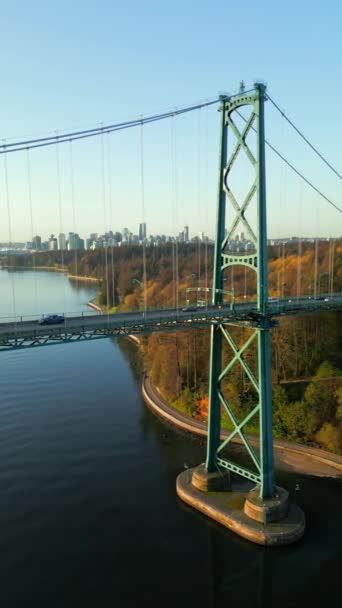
{"points": [[75, 277], [95, 306], [288, 456]]}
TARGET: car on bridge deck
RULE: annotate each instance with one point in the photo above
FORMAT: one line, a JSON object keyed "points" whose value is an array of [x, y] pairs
{"points": [[189, 308], [51, 320]]}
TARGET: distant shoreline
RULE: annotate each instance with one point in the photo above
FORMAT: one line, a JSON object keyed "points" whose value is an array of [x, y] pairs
{"points": [[34, 268], [95, 306], [72, 277], [75, 277]]}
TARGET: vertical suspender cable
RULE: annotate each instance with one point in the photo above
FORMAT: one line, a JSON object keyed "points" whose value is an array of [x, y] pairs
{"points": [[329, 265], [29, 187], [299, 251], [72, 188], [176, 215], [104, 221], [284, 270], [173, 206], [316, 268], [107, 286], [173, 273], [299, 267], [110, 203], [177, 275], [142, 176], [278, 273], [282, 199], [316, 253], [199, 200], [206, 208], [332, 266], [283, 206], [113, 278], [59, 195], [109, 187], [8, 202], [175, 266]]}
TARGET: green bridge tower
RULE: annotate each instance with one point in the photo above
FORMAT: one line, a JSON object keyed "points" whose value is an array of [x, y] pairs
{"points": [[257, 261], [215, 487]]}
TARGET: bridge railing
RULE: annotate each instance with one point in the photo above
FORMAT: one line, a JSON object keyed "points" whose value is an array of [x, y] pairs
{"points": [[325, 301], [37, 317]]}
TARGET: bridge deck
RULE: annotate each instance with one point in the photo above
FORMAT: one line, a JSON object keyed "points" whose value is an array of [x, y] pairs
{"points": [[23, 333]]}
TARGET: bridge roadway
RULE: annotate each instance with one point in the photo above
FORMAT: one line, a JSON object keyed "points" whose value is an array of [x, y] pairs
{"points": [[23, 333]]}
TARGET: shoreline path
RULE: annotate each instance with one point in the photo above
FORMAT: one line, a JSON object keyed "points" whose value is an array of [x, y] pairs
{"points": [[288, 456]]}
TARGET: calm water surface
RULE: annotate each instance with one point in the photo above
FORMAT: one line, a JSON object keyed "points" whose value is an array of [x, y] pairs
{"points": [[25, 293], [88, 510]]}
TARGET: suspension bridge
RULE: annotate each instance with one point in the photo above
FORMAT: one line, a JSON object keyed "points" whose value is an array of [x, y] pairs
{"points": [[265, 514]]}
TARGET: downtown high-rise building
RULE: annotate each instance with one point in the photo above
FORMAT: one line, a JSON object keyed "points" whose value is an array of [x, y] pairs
{"points": [[53, 243], [186, 234], [75, 242], [142, 231], [37, 242], [62, 241]]}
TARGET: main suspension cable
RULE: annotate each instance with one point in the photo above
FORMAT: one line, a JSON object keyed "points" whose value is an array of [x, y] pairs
{"points": [[305, 179], [59, 139], [301, 134]]}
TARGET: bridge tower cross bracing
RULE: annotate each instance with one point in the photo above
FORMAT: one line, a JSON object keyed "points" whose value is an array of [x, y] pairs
{"points": [[263, 475]]}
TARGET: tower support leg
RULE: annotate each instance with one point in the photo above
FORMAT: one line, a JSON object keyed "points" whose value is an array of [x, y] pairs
{"points": [[265, 413], [214, 413]]}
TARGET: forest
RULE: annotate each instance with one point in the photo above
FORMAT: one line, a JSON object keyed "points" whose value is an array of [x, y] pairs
{"points": [[306, 349]]}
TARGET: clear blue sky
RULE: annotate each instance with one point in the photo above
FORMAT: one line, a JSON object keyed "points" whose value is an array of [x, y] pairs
{"points": [[68, 64]]}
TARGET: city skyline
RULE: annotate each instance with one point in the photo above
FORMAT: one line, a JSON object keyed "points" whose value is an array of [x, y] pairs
{"points": [[73, 241]]}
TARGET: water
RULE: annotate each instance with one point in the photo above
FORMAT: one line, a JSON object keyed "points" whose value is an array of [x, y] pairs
{"points": [[26, 293], [88, 510]]}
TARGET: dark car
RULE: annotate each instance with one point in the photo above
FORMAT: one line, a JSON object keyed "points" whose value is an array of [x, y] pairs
{"points": [[189, 308], [51, 320]]}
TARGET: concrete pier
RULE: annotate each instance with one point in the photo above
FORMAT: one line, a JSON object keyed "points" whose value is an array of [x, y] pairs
{"points": [[273, 522]]}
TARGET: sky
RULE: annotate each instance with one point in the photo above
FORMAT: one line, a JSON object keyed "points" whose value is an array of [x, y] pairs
{"points": [[77, 64]]}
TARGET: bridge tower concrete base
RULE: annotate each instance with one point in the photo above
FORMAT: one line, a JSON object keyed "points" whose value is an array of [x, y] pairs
{"points": [[271, 522]]}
